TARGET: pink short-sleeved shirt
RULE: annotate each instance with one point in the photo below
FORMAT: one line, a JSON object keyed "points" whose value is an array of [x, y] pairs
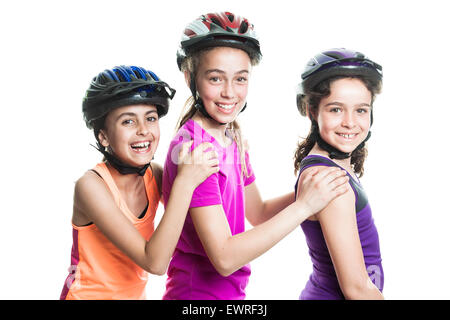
{"points": [[191, 276]]}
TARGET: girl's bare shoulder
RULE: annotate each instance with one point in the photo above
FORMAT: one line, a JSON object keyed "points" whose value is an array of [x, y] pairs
{"points": [[90, 179]]}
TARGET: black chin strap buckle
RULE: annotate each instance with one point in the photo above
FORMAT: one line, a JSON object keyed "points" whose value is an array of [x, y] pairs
{"points": [[119, 165], [332, 151], [339, 156]]}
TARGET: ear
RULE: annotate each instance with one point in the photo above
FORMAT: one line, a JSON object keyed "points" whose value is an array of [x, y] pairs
{"points": [[310, 114], [187, 78], [103, 138]]}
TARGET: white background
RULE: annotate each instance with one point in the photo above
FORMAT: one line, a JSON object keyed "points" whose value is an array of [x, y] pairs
{"points": [[50, 50]]}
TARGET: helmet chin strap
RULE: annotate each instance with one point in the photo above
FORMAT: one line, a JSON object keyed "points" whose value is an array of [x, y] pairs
{"points": [[201, 107], [332, 151], [119, 165]]}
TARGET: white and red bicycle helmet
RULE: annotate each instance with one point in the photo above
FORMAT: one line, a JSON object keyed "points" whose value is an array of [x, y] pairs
{"points": [[219, 29]]}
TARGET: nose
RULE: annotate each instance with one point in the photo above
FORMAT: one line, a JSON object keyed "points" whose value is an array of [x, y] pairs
{"points": [[228, 90], [142, 129], [348, 120]]}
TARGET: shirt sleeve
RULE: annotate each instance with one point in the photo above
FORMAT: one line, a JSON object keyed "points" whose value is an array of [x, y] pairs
{"points": [[207, 193]]}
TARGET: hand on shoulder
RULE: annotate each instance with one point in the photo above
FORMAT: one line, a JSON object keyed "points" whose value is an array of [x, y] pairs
{"points": [[319, 185]]}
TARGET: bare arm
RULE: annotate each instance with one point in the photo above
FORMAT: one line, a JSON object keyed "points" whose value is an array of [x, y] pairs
{"points": [[93, 199], [339, 227], [228, 253], [158, 173]]}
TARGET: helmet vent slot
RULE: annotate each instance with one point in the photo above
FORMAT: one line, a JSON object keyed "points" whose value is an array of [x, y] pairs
{"points": [[216, 21], [230, 17], [334, 55], [244, 27]]}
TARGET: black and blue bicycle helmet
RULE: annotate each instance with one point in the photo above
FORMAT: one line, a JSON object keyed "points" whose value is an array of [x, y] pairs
{"points": [[125, 85]]}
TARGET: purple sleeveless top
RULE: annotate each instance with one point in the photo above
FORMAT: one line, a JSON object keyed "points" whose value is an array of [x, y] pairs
{"points": [[323, 283]]}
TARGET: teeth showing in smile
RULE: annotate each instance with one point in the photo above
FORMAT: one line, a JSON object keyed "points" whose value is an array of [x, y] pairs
{"points": [[140, 145], [347, 136], [226, 106]]}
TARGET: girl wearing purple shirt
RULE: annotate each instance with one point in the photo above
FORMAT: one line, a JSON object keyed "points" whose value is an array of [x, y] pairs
{"points": [[337, 92], [211, 258]]}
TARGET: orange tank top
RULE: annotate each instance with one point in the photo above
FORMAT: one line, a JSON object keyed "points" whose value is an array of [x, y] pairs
{"points": [[99, 270]]}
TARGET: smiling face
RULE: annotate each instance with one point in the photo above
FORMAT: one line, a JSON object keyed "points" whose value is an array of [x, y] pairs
{"points": [[132, 133], [344, 116], [222, 82]]}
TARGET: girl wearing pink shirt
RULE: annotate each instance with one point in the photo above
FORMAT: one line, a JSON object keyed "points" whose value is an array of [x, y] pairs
{"points": [[211, 259]]}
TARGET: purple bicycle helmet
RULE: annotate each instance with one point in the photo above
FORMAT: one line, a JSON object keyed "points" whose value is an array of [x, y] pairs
{"points": [[336, 62]]}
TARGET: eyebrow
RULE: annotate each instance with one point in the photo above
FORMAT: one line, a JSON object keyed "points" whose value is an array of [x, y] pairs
{"points": [[336, 103], [132, 114], [222, 72]]}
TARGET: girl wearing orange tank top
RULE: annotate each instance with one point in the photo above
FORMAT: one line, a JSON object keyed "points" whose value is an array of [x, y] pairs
{"points": [[114, 241]]}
